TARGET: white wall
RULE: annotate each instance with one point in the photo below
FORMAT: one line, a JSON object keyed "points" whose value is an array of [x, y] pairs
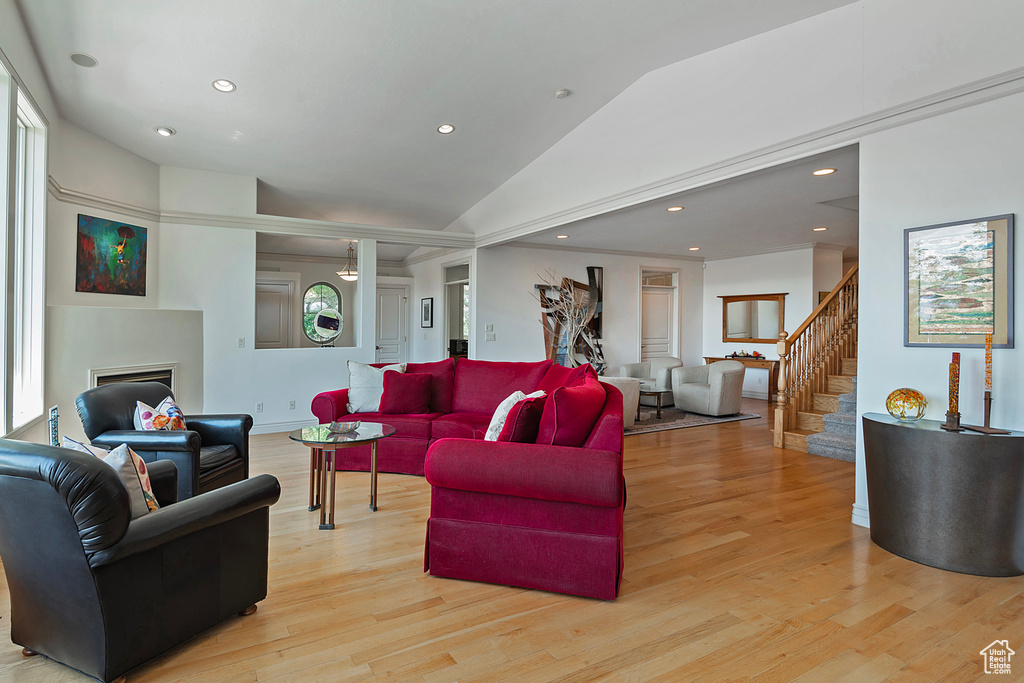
{"points": [[194, 191], [789, 272], [84, 338], [505, 299], [964, 165], [828, 268]]}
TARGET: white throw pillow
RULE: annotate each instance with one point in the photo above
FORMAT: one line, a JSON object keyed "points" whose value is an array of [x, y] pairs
{"points": [[502, 411], [132, 470], [366, 386]]}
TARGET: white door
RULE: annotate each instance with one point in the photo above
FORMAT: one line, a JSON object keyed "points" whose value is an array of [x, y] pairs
{"points": [[274, 328], [392, 336], [657, 331]]}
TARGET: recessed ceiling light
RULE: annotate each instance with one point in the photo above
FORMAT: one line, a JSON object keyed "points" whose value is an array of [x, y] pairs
{"points": [[561, 237], [674, 208], [820, 229], [825, 171], [445, 128], [694, 248], [165, 131], [224, 85], [82, 59]]}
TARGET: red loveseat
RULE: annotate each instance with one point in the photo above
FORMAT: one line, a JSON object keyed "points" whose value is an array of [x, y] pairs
{"points": [[537, 515]]}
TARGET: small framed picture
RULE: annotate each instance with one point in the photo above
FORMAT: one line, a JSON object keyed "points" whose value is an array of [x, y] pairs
{"points": [[427, 312]]}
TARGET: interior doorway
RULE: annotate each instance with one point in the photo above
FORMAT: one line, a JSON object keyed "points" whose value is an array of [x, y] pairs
{"points": [[456, 309], [658, 313], [392, 344], [275, 309]]}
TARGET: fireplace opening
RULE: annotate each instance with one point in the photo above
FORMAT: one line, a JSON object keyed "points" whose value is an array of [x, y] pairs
{"points": [[140, 373]]}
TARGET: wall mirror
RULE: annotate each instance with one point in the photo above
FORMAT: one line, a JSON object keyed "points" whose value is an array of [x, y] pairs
{"points": [[753, 318]]}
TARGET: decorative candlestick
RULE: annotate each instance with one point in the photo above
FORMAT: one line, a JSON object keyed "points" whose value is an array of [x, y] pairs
{"points": [[988, 362], [954, 384], [988, 381], [953, 414], [987, 428]]}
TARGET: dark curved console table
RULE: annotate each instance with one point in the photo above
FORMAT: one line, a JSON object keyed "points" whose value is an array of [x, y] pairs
{"points": [[952, 500]]}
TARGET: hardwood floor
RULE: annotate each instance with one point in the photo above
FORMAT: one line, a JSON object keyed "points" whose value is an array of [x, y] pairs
{"points": [[741, 563]]}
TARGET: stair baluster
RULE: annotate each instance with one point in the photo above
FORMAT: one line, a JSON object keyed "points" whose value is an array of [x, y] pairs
{"points": [[810, 356]]}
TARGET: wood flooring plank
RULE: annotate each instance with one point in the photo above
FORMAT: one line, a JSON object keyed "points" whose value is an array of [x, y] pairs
{"points": [[740, 563]]}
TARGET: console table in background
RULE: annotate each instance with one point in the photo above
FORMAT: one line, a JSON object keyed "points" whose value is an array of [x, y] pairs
{"points": [[772, 366], [952, 500]]}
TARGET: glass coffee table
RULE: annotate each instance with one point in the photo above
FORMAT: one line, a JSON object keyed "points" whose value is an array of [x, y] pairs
{"points": [[651, 390], [323, 444]]}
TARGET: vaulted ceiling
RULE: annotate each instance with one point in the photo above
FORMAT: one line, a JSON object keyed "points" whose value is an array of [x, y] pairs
{"points": [[338, 103]]}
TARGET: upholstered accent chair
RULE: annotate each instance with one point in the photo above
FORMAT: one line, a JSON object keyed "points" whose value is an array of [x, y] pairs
{"points": [[657, 373], [213, 450], [94, 589], [714, 389]]}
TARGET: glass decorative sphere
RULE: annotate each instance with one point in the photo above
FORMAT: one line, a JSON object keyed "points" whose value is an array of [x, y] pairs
{"points": [[906, 404]]}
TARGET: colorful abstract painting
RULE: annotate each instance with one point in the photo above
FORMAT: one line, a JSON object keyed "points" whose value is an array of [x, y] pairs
{"points": [[955, 269], [959, 283], [111, 257]]}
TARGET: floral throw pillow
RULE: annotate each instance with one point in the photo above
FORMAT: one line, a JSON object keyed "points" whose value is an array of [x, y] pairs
{"points": [[132, 470], [167, 416]]}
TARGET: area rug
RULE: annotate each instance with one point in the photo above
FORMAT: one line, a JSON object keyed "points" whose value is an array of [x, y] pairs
{"points": [[673, 418]]}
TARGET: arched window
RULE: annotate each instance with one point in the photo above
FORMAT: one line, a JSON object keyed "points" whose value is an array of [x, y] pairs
{"points": [[318, 297]]}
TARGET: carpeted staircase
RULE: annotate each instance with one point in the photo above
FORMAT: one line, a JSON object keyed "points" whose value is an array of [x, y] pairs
{"points": [[839, 440]]}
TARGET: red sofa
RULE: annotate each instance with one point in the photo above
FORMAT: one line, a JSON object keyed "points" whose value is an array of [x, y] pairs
{"points": [[533, 515]]}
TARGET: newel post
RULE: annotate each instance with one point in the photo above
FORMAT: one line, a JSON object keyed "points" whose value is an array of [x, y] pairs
{"points": [[779, 436]]}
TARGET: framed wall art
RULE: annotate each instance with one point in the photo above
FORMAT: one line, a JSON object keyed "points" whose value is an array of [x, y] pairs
{"points": [[111, 257], [427, 312], [959, 283]]}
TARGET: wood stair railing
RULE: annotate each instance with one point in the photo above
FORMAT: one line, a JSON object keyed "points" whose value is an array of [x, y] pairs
{"points": [[815, 351]]}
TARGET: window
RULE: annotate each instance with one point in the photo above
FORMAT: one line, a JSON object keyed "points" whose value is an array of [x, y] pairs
{"points": [[22, 204], [316, 298]]}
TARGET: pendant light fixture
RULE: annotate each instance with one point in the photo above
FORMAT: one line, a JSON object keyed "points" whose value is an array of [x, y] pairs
{"points": [[348, 273]]}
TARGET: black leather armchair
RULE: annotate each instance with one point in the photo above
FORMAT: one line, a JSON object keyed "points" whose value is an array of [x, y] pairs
{"points": [[212, 452], [94, 590]]}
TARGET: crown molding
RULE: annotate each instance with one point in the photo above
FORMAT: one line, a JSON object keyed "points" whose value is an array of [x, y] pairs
{"points": [[822, 140], [610, 252], [429, 256], [770, 250], [63, 194], [281, 225], [305, 258]]}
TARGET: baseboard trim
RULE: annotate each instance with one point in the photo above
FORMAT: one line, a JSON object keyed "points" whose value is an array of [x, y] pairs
{"points": [[275, 427], [860, 516]]}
